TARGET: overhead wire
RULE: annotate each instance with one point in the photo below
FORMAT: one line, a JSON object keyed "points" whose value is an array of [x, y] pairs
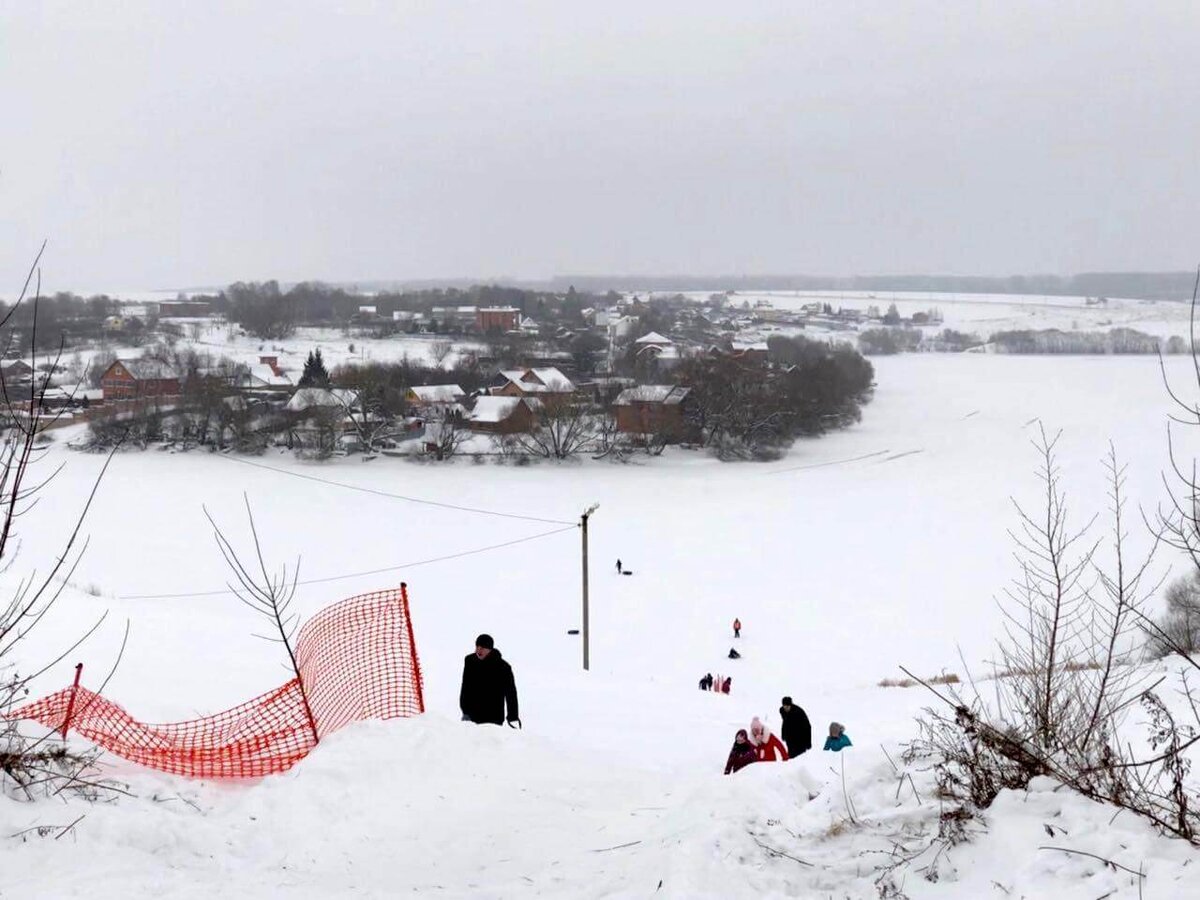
{"points": [[332, 578], [404, 497]]}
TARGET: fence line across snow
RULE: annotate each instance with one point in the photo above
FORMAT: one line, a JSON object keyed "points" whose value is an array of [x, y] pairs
{"points": [[357, 659]]}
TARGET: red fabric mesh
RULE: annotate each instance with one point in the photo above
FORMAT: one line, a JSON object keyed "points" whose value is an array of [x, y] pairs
{"points": [[357, 660]]}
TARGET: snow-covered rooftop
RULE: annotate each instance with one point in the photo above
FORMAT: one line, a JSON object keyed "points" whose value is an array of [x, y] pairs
{"points": [[653, 338], [669, 394], [494, 409], [261, 374], [438, 393], [147, 368], [313, 397], [546, 380]]}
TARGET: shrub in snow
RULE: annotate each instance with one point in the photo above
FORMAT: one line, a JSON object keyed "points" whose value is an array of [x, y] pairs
{"points": [[1179, 627], [1065, 679]]}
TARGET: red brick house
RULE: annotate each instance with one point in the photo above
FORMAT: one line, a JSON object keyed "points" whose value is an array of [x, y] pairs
{"points": [[497, 318], [131, 379], [660, 410]]}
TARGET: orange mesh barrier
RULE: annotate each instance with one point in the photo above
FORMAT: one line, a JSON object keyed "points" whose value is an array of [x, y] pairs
{"points": [[357, 660]]}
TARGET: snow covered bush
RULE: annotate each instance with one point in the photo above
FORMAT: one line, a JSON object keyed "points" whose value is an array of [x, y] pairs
{"points": [[1066, 677]]}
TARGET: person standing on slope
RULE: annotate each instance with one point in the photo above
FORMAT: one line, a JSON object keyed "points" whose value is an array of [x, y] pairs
{"points": [[796, 730], [488, 686], [742, 753], [737, 628], [767, 747]]}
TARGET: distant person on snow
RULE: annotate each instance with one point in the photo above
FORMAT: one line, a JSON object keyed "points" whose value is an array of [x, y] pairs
{"points": [[733, 654], [838, 739], [618, 567], [796, 730], [488, 686], [742, 753], [706, 682], [725, 685], [737, 628], [768, 747]]}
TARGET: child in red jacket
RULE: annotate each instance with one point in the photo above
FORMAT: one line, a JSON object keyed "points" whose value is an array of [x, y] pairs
{"points": [[767, 747]]}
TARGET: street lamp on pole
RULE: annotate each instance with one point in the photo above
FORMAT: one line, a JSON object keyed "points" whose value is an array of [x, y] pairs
{"points": [[583, 527]]}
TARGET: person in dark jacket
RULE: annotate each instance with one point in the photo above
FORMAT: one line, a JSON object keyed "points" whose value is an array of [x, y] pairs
{"points": [[742, 754], [488, 686], [796, 730]]}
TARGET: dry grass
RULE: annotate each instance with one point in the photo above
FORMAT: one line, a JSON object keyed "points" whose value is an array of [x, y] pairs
{"points": [[1090, 665], [944, 678]]}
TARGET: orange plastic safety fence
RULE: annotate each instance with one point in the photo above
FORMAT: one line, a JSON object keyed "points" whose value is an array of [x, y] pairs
{"points": [[357, 660]]}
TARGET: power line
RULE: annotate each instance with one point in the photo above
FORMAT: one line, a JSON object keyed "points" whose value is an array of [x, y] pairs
{"points": [[832, 462], [379, 493], [331, 578]]}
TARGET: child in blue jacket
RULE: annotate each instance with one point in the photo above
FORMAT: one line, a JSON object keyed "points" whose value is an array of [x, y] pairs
{"points": [[837, 737]]}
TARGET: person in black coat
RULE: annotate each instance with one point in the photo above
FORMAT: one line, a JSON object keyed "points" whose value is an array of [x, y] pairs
{"points": [[488, 686], [796, 730]]}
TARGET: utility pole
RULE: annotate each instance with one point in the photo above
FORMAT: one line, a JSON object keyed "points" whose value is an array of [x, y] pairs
{"points": [[583, 528]]}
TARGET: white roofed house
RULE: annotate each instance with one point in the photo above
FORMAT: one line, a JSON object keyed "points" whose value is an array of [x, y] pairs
{"points": [[502, 415], [653, 339], [656, 412], [435, 399], [655, 353], [263, 377], [308, 399], [756, 352], [548, 385], [322, 418]]}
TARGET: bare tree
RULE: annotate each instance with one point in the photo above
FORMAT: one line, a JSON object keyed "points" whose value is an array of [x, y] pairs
{"points": [[270, 594], [1046, 602], [439, 350], [564, 428], [1181, 621], [446, 435], [28, 762]]}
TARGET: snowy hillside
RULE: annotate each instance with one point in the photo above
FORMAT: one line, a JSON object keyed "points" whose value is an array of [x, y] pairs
{"points": [[856, 553]]}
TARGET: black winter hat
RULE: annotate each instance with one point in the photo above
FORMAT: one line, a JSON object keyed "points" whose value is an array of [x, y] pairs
{"points": [[485, 641], [786, 701]]}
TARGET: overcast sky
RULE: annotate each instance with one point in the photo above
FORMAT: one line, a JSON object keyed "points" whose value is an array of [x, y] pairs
{"points": [[170, 144]]}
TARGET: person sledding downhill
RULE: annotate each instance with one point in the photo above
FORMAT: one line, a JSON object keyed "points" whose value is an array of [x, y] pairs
{"points": [[488, 686], [767, 747]]}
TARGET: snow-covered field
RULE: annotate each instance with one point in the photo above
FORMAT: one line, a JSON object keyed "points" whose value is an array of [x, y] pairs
{"points": [[338, 347], [861, 551], [985, 314]]}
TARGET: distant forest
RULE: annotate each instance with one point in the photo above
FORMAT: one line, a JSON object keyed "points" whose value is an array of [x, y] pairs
{"points": [[1135, 285]]}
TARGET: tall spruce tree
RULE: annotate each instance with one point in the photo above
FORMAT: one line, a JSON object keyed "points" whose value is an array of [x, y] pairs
{"points": [[315, 373]]}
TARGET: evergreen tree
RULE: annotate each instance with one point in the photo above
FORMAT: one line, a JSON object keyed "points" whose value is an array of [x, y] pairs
{"points": [[315, 374]]}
